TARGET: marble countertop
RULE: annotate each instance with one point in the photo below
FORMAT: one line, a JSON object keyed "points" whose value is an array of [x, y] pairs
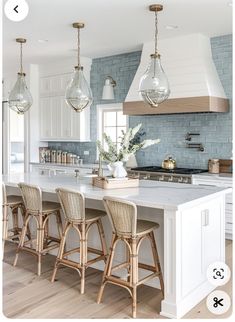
{"points": [[207, 175], [152, 194]]}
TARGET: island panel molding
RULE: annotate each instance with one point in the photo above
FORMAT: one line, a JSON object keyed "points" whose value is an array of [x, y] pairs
{"points": [[183, 228]]}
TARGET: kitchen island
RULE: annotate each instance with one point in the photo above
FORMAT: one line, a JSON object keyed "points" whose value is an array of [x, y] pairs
{"points": [[191, 234]]}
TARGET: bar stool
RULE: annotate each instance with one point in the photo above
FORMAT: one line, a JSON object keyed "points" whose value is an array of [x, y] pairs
{"points": [[41, 211], [81, 219], [126, 227], [14, 203]]}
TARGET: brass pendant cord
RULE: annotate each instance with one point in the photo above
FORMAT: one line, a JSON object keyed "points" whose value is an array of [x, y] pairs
{"points": [[156, 35], [156, 31], [21, 58], [78, 47]]}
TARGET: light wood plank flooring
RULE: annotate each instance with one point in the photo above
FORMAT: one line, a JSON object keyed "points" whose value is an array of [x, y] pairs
{"points": [[25, 295]]}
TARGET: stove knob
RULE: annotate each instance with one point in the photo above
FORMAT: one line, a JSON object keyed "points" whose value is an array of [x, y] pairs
{"points": [[180, 179], [185, 180], [161, 178], [170, 179], [146, 176]]}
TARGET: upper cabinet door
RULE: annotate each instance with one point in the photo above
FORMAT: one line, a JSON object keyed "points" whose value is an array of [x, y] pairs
{"points": [[45, 118], [66, 119], [55, 117], [45, 86], [58, 122]]}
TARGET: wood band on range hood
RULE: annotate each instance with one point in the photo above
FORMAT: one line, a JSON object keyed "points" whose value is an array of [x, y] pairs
{"points": [[198, 104]]}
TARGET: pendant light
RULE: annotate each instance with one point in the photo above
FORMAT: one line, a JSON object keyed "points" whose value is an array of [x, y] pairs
{"points": [[154, 86], [20, 98], [78, 93]]}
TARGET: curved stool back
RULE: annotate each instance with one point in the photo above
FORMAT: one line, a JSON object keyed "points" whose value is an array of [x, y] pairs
{"points": [[126, 228]]}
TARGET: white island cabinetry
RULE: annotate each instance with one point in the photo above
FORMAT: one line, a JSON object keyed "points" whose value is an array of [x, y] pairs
{"points": [[220, 180], [190, 237]]}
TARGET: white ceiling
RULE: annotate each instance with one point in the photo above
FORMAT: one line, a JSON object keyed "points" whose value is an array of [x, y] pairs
{"points": [[112, 26]]}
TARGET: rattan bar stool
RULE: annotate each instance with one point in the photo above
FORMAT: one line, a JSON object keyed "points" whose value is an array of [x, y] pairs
{"points": [[41, 211], [126, 227], [12, 203], [81, 219]]}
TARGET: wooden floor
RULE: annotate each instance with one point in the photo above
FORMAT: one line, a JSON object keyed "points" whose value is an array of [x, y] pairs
{"points": [[25, 295]]}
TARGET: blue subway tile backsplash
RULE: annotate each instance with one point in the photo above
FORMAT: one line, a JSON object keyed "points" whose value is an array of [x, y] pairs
{"points": [[215, 129]]}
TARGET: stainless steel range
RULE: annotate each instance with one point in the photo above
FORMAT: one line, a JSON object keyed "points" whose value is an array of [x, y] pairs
{"points": [[179, 175]]}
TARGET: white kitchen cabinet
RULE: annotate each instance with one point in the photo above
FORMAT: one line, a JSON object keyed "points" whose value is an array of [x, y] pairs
{"points": [[220, 181], [45, 118], [58, 122], [201, 228]]}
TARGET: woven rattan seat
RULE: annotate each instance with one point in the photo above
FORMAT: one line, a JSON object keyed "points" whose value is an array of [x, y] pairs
{"points": [[41, 211], [48, 206], [144, 227], [126, 228], [93, 214], [11, 205], [14, 200], [81, 219]]}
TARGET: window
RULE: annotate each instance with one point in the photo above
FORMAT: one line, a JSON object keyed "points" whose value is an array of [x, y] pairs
{"points": [[112, 122]]}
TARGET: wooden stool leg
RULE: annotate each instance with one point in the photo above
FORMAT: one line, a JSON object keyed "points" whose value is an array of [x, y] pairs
{"points": [[45, 234], [23, 213], [107, 270], [4, 225], [134, 263], [61, 250], [83, 254], [156, 260], [40, 239], [59, 224], [22, 238], [102, 238], [15, 221], [129, 264]]}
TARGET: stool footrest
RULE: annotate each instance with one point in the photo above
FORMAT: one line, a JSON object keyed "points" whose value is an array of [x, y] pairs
{"points": [[118, 281], [46, 250], [147, 278], [99, 258], [147, 267], [122, 265], [77, 250]]}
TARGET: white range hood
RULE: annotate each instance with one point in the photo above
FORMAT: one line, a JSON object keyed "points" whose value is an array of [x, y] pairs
{"points": [[194, 82]]}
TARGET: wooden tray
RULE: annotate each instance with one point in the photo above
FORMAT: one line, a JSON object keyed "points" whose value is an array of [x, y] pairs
{"points": [[101, 182]]}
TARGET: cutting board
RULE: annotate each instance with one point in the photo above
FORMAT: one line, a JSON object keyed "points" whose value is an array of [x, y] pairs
{"points": [[225, 166]]}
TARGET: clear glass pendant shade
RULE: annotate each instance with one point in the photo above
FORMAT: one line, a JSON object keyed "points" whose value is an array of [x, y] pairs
{"points": [[154, 87], [20, 98], [78, 93]]}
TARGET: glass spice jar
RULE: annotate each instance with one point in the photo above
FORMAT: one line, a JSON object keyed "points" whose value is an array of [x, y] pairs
{"points": [[213, 165]]}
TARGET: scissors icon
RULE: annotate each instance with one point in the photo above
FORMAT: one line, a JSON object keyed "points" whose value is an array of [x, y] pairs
{"points": [[217, 302]]}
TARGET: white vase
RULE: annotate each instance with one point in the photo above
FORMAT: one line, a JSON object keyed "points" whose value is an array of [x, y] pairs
{"points": [[117, 169], [131, 163]]}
